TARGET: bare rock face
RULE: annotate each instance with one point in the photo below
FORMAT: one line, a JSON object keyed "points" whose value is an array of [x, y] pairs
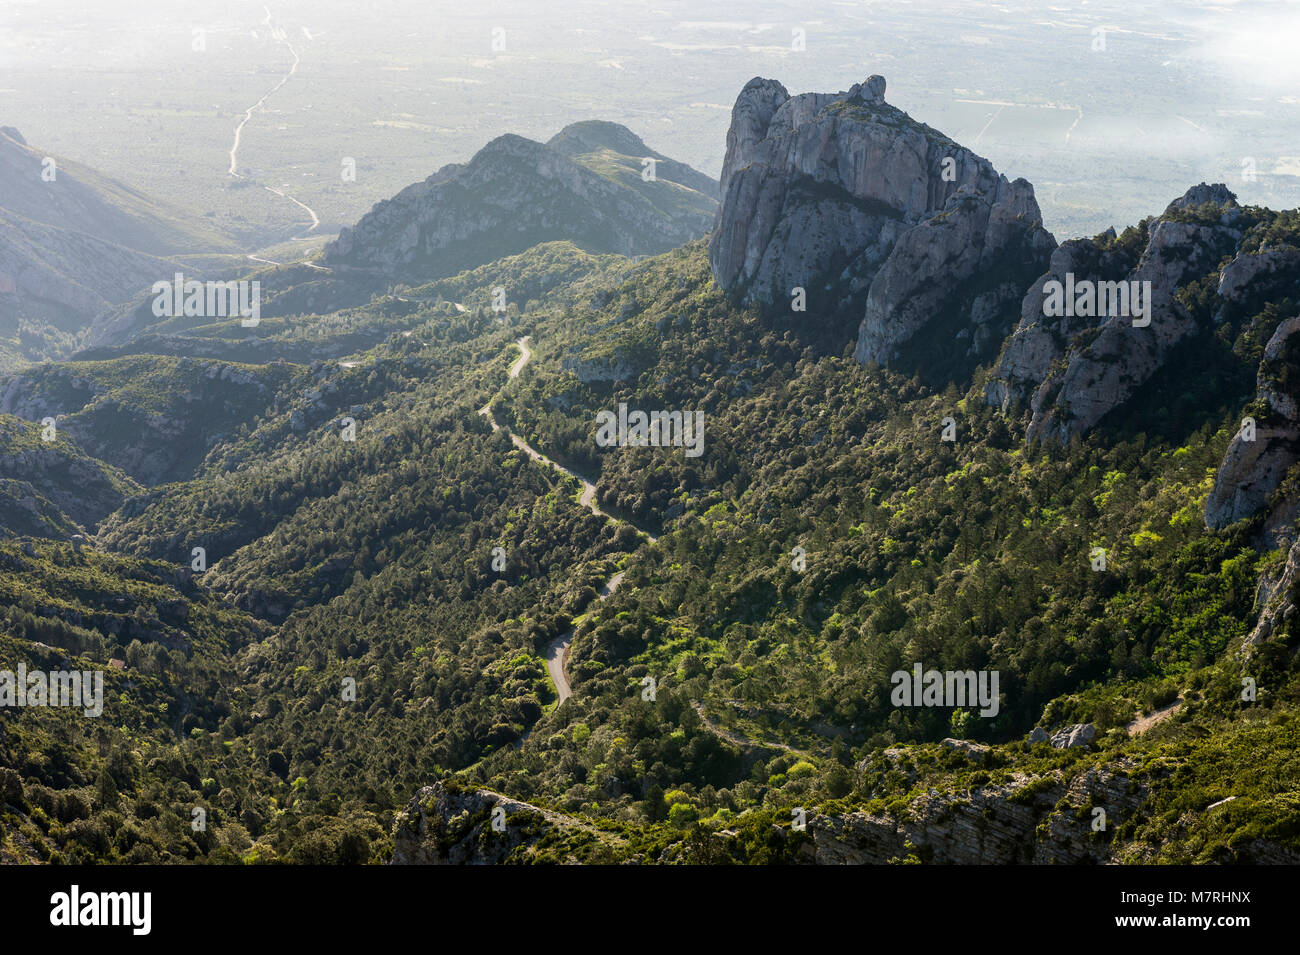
{"points": [[590, 370], [971, 261], [868, 210], [441, 826], [1075, 369], [1028, 355], [1028, 820], [1257, 459], [1078, 734], [1269, 270], [1276, 599]]}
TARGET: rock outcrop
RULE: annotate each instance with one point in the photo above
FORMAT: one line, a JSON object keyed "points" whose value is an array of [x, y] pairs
{"points": [[1276, 597], [586, 185], [1074, 369], [1039, 820], [444, 824], [1078, 734], [873, 214], [1264, 449], [1268, 271]]}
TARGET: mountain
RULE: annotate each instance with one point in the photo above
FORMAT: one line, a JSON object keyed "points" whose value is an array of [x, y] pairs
{"points": [[1072, 370], [430, 591], [154, 417], [617, 153], [74, 243], [876, 215], [585, 186], [53, 489]]}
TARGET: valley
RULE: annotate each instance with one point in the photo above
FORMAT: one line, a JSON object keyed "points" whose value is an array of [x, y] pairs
{"points": [[991, 556]]}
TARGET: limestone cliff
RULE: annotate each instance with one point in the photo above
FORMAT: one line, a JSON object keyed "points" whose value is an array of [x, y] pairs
{"points": [[874, 214], [1261, 453], [1075, 368]]}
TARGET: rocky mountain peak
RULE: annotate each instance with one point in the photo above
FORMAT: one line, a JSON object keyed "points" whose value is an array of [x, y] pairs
{"points": [[871, 92], [1076, 365], [593, 134], [880, 218], [1198, 195]]}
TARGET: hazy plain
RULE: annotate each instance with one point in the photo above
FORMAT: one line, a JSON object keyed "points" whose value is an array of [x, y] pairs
{"points": [[1109, 126]]}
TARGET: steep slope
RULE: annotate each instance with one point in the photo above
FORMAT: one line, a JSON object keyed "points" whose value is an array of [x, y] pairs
{"points": [[1267, 445], [372, 562], [78, 198], [516, 193], [155, 418], [51, 488], [73, 243], [1073, 368], [617, 153], [879, 218], [388, 596]]}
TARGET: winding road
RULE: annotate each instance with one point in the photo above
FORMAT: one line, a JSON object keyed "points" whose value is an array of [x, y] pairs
{"points": [[557, 651]]}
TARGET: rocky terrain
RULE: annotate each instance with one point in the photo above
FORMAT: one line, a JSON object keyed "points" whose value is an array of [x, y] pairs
{"points": [[1266, 447], [1025, 820], [585, 185], [369, 667], [154, 418], [50, 489], [1073, 371], [444, 824], [852, 200]]}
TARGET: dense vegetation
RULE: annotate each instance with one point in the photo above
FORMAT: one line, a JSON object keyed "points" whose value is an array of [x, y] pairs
{"points": [[351, 641]]}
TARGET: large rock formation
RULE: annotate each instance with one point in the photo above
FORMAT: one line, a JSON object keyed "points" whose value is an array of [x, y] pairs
{"points": [[586, 185], [1276, 597], [1264, 449], [872, 213], [1040, 819], [1073, 370]]}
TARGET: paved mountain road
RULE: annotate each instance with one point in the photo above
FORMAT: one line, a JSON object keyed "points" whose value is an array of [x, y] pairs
{"points": [[558, 649]]}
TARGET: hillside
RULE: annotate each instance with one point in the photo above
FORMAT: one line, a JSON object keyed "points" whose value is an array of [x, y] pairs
{"points": [[409, 521], [585, 186], [73, 244]]}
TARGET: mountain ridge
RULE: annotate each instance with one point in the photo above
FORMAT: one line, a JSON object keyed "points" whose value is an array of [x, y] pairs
{"points": [[516, 192]]}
